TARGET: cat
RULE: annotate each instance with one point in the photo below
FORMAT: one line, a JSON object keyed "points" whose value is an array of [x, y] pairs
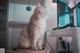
{"points": [[32, 35]]}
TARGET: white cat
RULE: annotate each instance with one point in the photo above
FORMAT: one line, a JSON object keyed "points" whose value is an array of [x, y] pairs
{"points": [[32, 34]]}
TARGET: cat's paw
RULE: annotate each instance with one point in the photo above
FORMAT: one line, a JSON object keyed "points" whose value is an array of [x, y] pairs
{"points": [[40, 48], [34, 48]]}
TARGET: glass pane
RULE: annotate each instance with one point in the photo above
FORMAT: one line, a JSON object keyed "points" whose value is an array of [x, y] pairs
{"points": [[64, 20], [78, 16]]}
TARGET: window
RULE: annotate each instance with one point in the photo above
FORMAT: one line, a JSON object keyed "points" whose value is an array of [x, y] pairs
{"points": [[64, 18]]}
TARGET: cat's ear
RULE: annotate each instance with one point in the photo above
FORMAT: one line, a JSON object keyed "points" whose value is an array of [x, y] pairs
{"points": [[38, 4]]}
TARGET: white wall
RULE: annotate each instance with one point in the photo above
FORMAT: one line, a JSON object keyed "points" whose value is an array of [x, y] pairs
{"points": [[19, 13], [52, 12], [78, 38]]}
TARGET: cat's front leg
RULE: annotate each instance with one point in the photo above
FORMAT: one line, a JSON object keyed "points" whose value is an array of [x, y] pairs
{"points": [[34, 43], [40, 43]]}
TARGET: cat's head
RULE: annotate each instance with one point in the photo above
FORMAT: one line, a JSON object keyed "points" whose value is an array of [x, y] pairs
{"points": [[41, 11]]}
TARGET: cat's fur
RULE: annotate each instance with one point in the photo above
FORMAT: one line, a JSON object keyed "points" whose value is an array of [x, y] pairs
{"points": [[32, 34]]}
